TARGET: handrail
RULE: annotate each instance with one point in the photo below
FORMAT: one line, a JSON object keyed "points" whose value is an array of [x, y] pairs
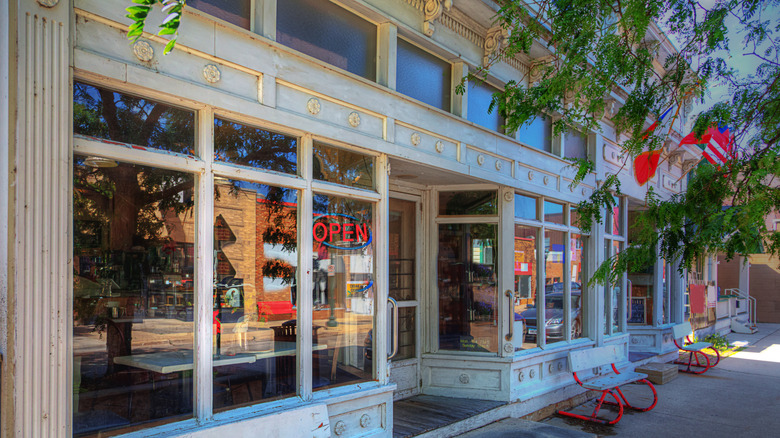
{"points": [[395, 327], [752, 303], [511, 295]]}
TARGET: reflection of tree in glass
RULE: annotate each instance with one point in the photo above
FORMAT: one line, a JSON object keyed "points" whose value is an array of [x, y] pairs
{"points": [[241, 144], [470, 203], [342, 166], [133, 201], [282, 230], [106, 114]]}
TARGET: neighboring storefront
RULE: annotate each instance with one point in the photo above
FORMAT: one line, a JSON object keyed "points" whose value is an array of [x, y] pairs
{"points": [[292, 220]]}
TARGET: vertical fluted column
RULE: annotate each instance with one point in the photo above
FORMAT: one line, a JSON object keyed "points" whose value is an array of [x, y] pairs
{"points": [[40, 293]]}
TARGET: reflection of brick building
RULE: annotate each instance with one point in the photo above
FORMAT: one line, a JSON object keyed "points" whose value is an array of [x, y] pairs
{"points": [[241, 218], [525, 269]]}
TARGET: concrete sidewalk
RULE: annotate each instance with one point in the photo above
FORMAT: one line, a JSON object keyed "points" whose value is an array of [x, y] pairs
{"points": [[738, 398]]}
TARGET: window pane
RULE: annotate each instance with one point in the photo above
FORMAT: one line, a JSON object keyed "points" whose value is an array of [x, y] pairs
{"points": [[525, 285], [577, 245], [403, 250], [110, 115], [133, 296], [341, 166], [467, 269], [553, 212], [479, 98], [232, 11], [468, 203], [576, 145], [607, 292], [618, 295], [423, 76], [255, 246], [406, 333], [574, 217], [525, 207], [617, 218], [343, 292], [250, 146], [329, 33], [553, 285], [537, 134]]}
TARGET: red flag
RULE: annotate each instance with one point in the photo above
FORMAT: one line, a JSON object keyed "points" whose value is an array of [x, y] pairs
{"points": [[645, 165]]}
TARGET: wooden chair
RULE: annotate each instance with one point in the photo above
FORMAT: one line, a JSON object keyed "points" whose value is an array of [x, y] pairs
{"points": [[610, 384], [694, 350]]}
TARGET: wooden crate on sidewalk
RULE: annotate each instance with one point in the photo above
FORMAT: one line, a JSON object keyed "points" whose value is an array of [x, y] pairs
{"points": [[658, 373]]}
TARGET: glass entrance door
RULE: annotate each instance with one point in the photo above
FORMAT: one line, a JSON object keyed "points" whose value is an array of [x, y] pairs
{"points": [[403, 288], [467, 281]]}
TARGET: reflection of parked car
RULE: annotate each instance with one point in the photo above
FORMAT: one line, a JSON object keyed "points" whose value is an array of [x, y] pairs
{"points": [[558, 287], [553, 316]]}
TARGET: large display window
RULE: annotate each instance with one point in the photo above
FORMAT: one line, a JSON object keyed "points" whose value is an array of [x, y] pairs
{"points": [[184, 258], [551, 288]]}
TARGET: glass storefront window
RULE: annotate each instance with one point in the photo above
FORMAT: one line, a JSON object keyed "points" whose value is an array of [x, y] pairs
{"points": [[575, 145], [344, 293], [525, 283], [554, 254], [111, 115], [614, 219], [574, 217], [343, 167], [423, 76], [479, 97], [467, 272], [330, 33], [255, 302], [232, 11], [618, 295], [537, 134], [525, 207], [249, 146], [577, 244], [133, 268], [553, 212], [468, 203]]}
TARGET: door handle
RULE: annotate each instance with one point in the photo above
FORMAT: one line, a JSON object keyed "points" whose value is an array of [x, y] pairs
{"points": [[394, 332], [511, 296]]}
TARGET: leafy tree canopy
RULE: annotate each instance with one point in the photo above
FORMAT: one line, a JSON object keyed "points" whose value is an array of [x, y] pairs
{"points": [[597, 48]]}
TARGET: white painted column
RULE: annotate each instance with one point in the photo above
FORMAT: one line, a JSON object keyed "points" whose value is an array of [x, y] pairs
{"points": [[744, 274], [264, 17], [7, 31], [204, 279], [387, 55], [382, 268], [40, 277], [506, 269], [593, 299], [677, 289], [305, 268], [658, 290], [460, 102]]}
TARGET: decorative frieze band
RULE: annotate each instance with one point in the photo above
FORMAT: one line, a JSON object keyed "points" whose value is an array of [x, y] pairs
{"points": [[462, 29]]}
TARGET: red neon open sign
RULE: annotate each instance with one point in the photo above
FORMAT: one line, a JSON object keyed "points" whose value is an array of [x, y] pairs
{"points": [[351, 234]]}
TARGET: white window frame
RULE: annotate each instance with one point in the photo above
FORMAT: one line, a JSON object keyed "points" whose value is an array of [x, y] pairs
{"points": [[206, 168]]}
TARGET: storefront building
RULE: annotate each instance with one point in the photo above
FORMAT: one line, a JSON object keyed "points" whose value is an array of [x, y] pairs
{"points": [[292, 220]]}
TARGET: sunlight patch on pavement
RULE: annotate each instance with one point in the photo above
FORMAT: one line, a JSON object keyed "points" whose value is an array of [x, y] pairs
{"points": [[769, 354]]}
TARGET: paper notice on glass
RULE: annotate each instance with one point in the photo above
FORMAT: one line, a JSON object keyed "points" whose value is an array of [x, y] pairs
{"points": [[517, 337]]}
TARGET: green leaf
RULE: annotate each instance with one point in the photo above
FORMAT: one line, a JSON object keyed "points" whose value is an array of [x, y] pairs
{"points": [[169, 46]]}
